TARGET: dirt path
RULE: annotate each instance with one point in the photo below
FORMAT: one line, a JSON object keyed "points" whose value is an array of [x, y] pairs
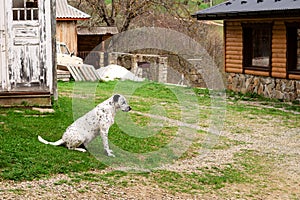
{"points": [[271, 142]]}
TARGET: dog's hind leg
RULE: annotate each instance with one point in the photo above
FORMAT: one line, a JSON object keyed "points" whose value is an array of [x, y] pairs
{"points": [[79, 149]]}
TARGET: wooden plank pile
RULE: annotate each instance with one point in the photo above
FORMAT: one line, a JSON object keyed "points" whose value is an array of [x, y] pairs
{"points": [[80, 72]]}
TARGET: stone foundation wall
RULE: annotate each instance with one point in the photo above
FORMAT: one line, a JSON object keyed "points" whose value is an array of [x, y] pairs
{"points": [[166, 69], [283, 89]]}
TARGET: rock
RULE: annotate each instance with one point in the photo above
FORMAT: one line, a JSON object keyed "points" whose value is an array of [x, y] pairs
{"points": [[290, 86], [298, 85], [278, 95], [267, 92], [242, 81], [230, 79], [255, 82], [271, 89], [283, 86], [248, 83], [260, 90]]}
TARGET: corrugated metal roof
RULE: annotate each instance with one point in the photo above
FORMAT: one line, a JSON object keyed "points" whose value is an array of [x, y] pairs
{"points": [[242, 8], [96, 30], [65, 11]]}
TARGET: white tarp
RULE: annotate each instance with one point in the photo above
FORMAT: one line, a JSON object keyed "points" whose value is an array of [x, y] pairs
{"points": [[112, 72]]}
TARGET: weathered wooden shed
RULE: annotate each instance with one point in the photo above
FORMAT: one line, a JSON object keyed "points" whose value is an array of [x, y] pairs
{"points": [[66, 25], [262, 45], [91, 44], [27, 53]]}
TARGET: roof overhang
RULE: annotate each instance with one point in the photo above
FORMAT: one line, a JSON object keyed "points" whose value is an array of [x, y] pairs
{"points": [[245, 9], [71, 19], [105, 30], [248, 15], [66, 12]]}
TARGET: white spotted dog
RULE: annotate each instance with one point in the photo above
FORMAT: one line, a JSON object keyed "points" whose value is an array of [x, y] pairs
{"points": [[95, 122]]}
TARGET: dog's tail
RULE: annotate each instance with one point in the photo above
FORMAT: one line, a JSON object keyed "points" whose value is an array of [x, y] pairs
{"points": [[57, 143]]}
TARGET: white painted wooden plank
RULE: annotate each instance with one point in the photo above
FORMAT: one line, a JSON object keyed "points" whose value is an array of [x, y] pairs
{"points": [[81, 72], [82, 78], [9, 37], [74, 73], [91, 72], [26, 41], [50, 66], [26, 32], [2, 14], [3, 64], [85, 72], [94, 73], [44, 26]]}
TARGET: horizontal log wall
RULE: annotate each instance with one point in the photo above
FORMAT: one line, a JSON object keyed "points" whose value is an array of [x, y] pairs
{"points": [[279, 50], [294, 76], [233, 38], [233, 47]]}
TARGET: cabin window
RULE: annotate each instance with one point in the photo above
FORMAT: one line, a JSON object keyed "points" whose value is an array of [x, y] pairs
{"points": [[257, 43], [293, 47], [25, 10]]}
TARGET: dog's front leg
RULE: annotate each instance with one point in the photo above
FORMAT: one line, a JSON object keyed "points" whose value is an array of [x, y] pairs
{"points": [[104, 135]]}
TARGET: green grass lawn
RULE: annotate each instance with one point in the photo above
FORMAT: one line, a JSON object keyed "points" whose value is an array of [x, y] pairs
{"points": [[23, 157]]}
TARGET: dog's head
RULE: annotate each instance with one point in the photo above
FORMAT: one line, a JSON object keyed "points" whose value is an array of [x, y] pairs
{"points": [[120, 102]]}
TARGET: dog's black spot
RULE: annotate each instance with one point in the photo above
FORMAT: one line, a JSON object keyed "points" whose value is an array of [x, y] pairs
{"points": [[116, 98]]}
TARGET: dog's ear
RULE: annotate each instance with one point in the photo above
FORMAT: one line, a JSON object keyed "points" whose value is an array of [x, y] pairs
{"points": [[116, 98]]}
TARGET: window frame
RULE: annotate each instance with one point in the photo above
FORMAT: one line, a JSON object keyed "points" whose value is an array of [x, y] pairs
{"points": [[248, 46], [25, 10], [292, 47]]}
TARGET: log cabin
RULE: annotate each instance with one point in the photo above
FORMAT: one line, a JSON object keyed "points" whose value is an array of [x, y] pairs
{"points": [[27, 52], [261, 46]]}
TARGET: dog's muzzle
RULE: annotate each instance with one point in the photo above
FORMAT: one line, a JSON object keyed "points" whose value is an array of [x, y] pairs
{"points": [[127, 109]]}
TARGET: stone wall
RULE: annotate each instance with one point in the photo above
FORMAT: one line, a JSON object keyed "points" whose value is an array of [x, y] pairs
{"points": [[166, 69], [149, 66], [283, 89]]}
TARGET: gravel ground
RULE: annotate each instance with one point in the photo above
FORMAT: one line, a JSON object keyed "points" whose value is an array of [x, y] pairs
{"points": [[276, 141]]}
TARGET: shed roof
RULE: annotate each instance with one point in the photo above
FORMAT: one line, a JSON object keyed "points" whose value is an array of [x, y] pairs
{"points": [[234, 9], [66, 12], [81, 30]]}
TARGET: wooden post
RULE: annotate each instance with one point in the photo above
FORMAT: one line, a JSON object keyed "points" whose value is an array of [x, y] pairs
{"points": [[53, 38]]}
